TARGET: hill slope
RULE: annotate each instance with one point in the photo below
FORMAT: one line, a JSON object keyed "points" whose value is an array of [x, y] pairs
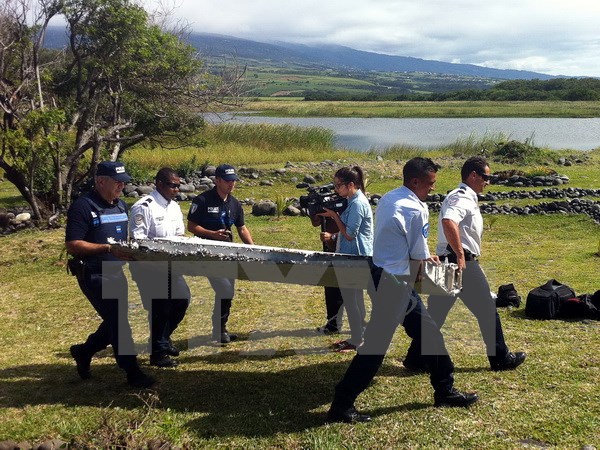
{"points": [[339, 57]]}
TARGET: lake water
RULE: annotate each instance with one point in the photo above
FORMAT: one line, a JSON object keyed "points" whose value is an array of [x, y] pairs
{"points": [[379, 133]]}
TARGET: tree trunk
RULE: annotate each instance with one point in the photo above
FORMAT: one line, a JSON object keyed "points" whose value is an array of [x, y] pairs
{"points": [[40, 210]]}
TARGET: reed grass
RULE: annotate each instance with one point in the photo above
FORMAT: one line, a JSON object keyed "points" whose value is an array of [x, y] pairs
{"points": [[245, 144], [424, 109]]}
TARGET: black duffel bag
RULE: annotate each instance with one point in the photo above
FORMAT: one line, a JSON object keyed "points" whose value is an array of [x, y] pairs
{"points": [[543, 302]]}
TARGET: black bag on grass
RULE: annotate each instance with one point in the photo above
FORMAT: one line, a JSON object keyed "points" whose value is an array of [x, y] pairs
{"points": [[507, 296], [543, 302], [580, 307]]}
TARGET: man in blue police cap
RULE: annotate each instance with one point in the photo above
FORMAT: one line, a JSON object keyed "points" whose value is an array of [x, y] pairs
{"points": [[211, 216], [91, 220]]}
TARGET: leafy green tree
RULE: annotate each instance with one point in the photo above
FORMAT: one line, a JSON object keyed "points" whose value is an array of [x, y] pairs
{"points": [[121, 80]]}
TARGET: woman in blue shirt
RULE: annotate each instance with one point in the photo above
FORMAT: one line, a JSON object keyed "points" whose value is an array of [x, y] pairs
{"points": [[355, 237]]}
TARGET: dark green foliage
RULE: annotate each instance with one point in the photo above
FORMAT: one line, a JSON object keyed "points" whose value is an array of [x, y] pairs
{"points": [[515, 152]]}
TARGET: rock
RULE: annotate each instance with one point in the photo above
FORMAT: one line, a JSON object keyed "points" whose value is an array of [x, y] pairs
{"points": [[280, 171], [52, 444], [319, 177], [209, 171], [266, 183], [128, 189], [292, 211], [309, 179], [379, 158], [187, 188], [294, 179], [144, 190], [4, 220], [204, 187], [8, 445], [264, 208], [23, 217], [133, 194], [562, 161], [181, 197], [568, 163]]}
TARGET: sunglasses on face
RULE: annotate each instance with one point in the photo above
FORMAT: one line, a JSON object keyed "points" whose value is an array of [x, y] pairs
{"points": [[171, 185], [339, 185], [485, 177]]}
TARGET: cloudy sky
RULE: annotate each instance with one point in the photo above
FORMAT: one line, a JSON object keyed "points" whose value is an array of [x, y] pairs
{"points": [[556, 37]]}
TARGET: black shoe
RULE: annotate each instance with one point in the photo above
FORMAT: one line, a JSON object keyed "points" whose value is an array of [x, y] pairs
{"points": [[417, 366], [225, 337], [172, 350], [82, 359], [138, 379], [350, 415], [510, 362], [454, 398], [162, 359]]}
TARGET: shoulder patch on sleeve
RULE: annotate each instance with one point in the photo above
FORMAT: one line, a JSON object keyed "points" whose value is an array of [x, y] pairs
{"points": [[453, 199], [425, 230], [138, 219], [193, 208]]}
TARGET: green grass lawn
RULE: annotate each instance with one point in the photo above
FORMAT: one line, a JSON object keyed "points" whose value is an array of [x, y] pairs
{"points": [[272, 388]]}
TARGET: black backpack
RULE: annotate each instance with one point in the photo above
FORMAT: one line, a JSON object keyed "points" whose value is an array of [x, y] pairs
{"points": [[543, 302]]}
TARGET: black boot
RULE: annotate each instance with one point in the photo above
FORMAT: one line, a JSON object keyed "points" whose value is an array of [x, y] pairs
{"points": [[83, 359]]}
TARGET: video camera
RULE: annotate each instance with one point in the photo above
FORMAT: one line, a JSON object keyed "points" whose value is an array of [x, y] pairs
{"points": [[320, 197]]}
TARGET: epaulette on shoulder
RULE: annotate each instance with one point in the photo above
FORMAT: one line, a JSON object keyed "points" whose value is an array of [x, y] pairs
{"points": [[146, 202]]}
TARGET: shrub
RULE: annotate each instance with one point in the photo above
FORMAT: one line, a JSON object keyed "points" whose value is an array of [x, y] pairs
{"points": [[512, 152]]}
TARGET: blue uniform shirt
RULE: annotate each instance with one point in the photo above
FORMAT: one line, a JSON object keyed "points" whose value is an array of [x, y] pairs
{"points": [[91, 218]]}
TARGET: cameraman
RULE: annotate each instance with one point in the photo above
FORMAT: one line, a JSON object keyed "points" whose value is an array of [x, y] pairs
{"points": [[333, 296], [355, 237]]}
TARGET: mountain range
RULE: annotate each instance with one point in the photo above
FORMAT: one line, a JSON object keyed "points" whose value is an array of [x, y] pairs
{"points": [[284, 54], [216, 47]]}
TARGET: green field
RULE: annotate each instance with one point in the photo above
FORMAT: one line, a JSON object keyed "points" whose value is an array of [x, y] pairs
{"points": [[272, 388]]}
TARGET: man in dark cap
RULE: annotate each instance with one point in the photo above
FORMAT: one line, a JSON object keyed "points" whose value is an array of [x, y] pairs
{"points": [[211, 216], [92, 220]]}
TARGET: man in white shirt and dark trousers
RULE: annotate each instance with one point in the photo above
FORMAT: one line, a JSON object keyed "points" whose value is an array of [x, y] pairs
{"points": [[460, 228], [399, 248], [165, 296]]}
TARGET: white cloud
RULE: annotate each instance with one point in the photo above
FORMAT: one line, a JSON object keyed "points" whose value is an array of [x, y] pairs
{"points": [[539, 35]]}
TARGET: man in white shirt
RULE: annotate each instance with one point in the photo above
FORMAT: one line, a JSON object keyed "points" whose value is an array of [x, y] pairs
{"points": [[460, 228], [165, 296], [400, 246]]}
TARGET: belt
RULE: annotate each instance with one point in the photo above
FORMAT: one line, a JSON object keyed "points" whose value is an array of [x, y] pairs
{"points": [[452, 256]]}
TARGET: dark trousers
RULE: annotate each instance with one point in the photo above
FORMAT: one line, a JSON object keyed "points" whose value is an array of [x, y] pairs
{"points": [[165, 296], [333, 308], [224, 290], [477, 297], [394, 303], [114, 329]]}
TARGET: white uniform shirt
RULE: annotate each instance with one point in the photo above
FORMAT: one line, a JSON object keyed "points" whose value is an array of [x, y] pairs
{"points": [[154, 216], [401, 230], [462, 207]]}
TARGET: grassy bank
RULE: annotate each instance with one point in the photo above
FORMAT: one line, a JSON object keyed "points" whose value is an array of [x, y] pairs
{"points": [[271, 389], [391, 109]]}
